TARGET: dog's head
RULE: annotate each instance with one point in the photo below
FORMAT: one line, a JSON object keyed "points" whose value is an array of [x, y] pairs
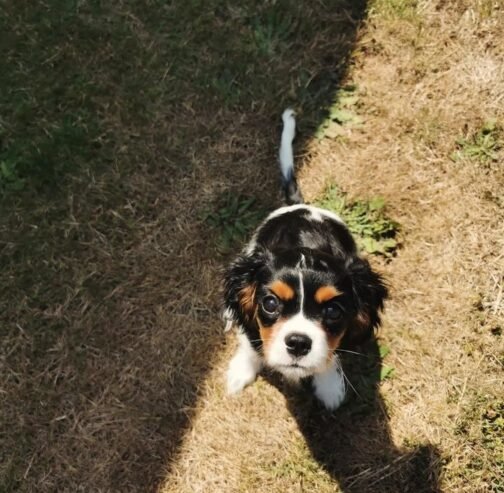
{"points": [[299, 306]]}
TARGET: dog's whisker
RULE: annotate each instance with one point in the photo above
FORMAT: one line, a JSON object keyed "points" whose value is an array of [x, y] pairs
{"points": [[352, 352], [349, 383], [256, 340]]}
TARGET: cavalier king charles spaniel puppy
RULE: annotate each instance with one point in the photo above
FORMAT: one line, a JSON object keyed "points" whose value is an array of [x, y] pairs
{"points": [[298, 292]]}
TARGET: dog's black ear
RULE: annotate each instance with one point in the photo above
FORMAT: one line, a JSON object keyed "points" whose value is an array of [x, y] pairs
{"points": [[240, 284], [369, 292]]}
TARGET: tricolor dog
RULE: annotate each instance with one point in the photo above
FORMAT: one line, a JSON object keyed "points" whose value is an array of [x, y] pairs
{"points": [[298, 292]]}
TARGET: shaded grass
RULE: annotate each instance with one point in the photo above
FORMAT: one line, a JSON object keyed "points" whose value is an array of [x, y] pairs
{"points": [[75, 66], [482, 428], [339, 450], [234, 218]]}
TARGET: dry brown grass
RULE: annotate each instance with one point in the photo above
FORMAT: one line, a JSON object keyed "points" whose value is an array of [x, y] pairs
{"points": [[113, 355], [424, 80]]}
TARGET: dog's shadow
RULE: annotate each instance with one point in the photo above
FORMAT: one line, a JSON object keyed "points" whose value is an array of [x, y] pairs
{"points": [[354, 443]]}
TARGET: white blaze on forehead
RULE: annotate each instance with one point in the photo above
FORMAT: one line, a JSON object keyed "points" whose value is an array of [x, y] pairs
{"points": [[317, 358], [301, 290], [302, 262]]}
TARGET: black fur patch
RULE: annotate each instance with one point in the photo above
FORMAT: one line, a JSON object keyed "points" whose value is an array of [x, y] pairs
{"points": [[324, 252]]}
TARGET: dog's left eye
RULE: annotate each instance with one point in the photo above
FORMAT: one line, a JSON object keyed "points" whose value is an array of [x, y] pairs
{"points": [[270, 304], [332, 311]]}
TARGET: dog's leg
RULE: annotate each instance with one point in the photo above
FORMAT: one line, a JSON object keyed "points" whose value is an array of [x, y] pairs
{"points": [[244, 366], [330, 387]]}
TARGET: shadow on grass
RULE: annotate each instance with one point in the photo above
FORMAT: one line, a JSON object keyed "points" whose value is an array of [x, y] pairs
{"points": [[121, 122], [354, 444]]}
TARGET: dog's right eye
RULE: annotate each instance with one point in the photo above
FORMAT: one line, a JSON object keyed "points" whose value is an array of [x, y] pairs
{"points": [[333, 311], [270, 304]]}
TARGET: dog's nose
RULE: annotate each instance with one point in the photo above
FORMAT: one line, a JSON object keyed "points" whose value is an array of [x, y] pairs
{"points": [[298, 344]]}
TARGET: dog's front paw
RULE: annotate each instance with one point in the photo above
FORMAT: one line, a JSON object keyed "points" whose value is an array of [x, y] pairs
{"points": [[330, 388], [241, 372]]}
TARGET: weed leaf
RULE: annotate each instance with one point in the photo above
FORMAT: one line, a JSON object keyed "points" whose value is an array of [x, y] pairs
{"points": [[375, 233], [386, 372], [384, 350]]}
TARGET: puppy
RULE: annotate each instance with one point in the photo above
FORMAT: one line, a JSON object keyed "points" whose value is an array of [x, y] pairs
{"points": [[298, 292]]}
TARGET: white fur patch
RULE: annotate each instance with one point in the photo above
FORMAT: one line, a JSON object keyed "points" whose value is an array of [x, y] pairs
{"points": [[228, 320], [329, 387], [302, 264], [244, 366], [315, 361], [316, 213]]}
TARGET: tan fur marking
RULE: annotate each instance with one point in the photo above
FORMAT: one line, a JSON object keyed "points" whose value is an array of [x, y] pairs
{"points": [[282, 290], [247, 295], [326, 293], [334, 341], [361, 322], [268, 334], [360, 328]]}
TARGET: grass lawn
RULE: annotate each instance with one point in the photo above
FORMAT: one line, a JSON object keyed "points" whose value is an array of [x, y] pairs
{"points": [[138, 147]]}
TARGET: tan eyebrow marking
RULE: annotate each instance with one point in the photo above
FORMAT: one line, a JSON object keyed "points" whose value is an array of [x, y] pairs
{"points": [[325, 293], [282, 290]]}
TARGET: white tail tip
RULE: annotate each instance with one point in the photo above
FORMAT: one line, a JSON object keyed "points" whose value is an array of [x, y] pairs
{"points": [[289, 121]]}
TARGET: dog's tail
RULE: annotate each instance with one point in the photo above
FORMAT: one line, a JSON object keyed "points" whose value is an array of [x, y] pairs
{"points": [[286, 155]]}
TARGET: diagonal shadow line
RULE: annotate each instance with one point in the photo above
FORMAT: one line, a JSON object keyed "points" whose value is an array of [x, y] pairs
{"points": [[117, 382], [316, 96], [354, 445]]}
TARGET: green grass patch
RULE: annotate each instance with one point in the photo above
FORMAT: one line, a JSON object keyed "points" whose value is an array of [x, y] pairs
{"points": [[44, 158], [396, 9], [233, 218], [341, 115], [273, 29], [492, 427], [386, 371], [486, 9], [374, 231], [482, 146]]}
